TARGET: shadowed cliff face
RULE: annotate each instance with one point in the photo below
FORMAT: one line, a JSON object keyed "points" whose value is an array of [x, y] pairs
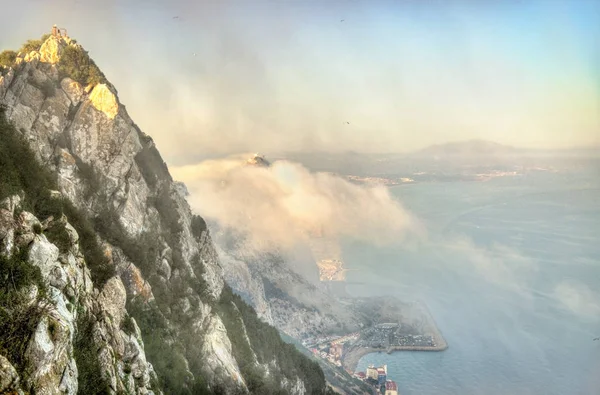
{"points": [[168, 276]]}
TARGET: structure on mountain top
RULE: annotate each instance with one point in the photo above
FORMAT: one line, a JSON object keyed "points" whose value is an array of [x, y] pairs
{"points": [[258, 160], [58, 32]]}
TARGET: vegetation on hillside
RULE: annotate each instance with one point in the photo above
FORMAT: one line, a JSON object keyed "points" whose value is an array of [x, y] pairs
{"points": [[33, 45], [18, 319], [75, 63], [240, 319], [7, 58], [164, 347], [90, 379]]}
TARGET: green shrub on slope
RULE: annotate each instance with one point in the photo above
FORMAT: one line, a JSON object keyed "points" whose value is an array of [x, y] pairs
{"points": [[89, 379], [267, 346], [33, 45], [75, 62], [18, 320], [7, 58]]}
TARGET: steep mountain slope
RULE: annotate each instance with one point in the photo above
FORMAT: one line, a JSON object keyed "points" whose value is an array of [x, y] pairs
{"points": [[280, 295], [151, 312]]}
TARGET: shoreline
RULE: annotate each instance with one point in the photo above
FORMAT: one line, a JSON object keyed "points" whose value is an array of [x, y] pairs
{"points": [[436, 333], [351, 358]]}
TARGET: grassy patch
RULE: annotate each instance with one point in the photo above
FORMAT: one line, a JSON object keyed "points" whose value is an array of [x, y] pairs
{"points": [[18, 321]]}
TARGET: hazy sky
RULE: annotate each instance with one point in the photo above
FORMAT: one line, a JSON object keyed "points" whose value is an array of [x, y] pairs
{"points": [[287, 75]]}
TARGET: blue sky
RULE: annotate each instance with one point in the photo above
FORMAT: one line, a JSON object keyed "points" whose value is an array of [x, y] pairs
{"points": [[286, 75]]}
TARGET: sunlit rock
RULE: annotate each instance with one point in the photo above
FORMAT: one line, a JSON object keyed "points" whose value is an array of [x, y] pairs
{"points": [[51, 50], [103, 99]]}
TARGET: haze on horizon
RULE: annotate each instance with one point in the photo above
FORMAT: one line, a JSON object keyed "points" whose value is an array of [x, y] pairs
{"points": [[263, 76]]}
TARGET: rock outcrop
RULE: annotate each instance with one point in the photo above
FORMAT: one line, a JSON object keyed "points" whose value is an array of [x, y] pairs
{"points": [[280, 295], [53, 360], [154, 326]]}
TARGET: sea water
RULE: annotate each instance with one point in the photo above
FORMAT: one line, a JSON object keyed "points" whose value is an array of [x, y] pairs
{"points": [[510, 270]]}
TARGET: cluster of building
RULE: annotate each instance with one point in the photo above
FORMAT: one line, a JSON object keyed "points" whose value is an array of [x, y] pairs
{"points": [[325, 341], [332, 348], [494, 174], [379, 180], [332, 354], [347, 338], [377, 376], [378, 336], [394, 335], [314, 342], [413, 340]]}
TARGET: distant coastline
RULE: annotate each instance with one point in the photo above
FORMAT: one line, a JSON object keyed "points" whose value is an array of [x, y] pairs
{"points": [[352, 356]]}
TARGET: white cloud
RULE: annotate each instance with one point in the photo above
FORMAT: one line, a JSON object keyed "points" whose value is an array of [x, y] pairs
{"points": [[285, 204]]}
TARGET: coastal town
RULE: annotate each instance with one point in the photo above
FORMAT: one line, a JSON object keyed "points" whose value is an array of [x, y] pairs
{"points": [[389, 335], [377, 377], [379, 180], [344, 351]]}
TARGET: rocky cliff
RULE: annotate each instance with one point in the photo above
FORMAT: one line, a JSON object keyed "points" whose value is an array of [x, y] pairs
{"points": [[281, 295], [133, 297]]}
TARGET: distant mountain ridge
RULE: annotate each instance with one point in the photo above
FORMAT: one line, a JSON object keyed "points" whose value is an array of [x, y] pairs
{"points": [[468, 147]]}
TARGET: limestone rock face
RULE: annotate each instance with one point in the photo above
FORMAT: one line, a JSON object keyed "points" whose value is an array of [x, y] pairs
{"points": [[51, 50], [111, 171], [113, 298], [217, 351], [9, 379], [104, 100], [7, 232], [51, 359], [290, 302], [73, 90], [87, 138]]}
